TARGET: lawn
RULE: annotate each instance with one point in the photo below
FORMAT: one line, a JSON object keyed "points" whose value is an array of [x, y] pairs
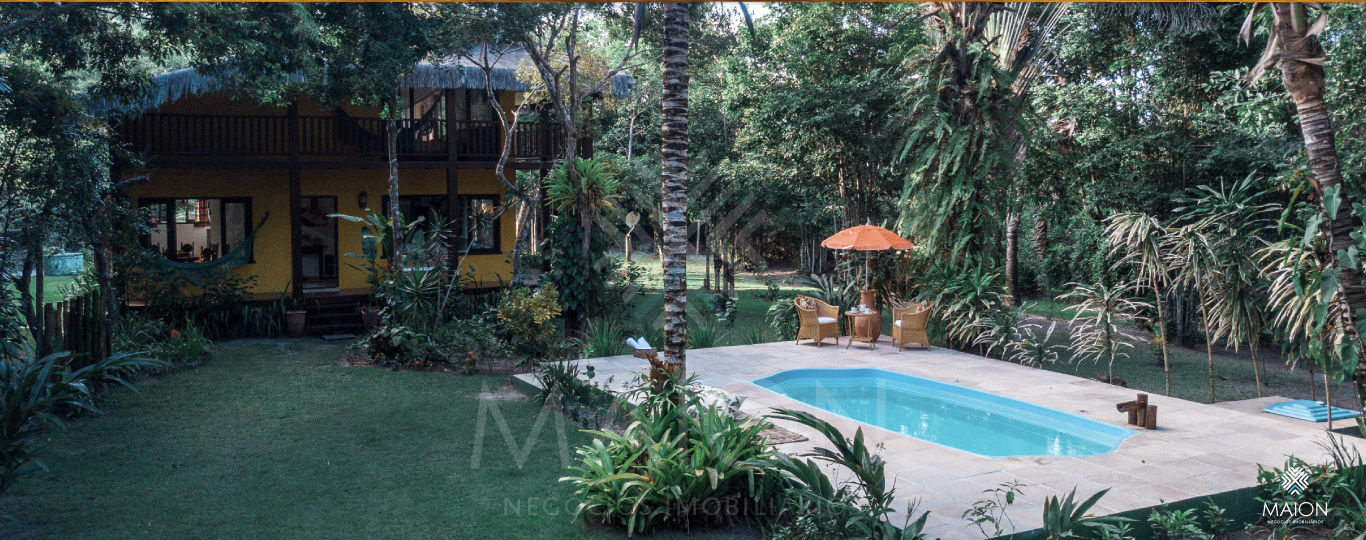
{"points": [[750, 322], [277, 440]]}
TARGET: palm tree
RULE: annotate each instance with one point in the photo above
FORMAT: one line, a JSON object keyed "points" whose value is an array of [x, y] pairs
{"points": [[1099, 310], [1139, 237], [1293, 42], [674, 180], [1190, 254]]}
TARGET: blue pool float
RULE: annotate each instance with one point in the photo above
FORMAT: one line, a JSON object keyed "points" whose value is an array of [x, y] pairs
{"points": [[1309, 411]]}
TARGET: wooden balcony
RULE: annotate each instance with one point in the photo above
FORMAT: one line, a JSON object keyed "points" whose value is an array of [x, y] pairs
{"points": [[210, 138]]}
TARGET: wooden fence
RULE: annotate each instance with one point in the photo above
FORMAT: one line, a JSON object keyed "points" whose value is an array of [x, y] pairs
{"points": [[75, 325]]}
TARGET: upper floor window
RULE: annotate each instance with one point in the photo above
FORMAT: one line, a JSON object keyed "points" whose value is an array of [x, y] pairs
{"points": [[197, 230]]}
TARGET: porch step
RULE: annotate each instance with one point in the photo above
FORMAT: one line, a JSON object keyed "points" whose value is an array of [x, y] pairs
{"points": [[334, 318]]}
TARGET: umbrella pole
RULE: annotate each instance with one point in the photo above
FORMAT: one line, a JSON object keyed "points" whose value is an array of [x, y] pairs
{"points": [[865, 270]]}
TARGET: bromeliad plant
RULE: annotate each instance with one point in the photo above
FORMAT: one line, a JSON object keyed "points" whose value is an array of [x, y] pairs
{"points": [[676, 465]]}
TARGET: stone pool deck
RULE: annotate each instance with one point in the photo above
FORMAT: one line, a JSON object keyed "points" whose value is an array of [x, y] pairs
{"points": [[1198, 449]]}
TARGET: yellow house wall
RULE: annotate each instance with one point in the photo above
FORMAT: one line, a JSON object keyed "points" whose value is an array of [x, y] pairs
{"points": [[268, 190]]}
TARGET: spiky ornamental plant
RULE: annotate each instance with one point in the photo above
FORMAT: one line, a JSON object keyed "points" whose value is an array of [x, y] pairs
{"points": [[1190, 254], [1139, 238], [1100, 309], [1237, 220], [1234, 220], [1306, 299]]}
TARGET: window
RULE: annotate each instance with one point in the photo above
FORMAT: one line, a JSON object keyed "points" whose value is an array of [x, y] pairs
{"points": [[475, 225], [478, 226], [197, 230], [472, 104]]}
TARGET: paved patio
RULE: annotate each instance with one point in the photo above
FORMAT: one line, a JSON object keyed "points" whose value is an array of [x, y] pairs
{"points": [[1199, 449]]}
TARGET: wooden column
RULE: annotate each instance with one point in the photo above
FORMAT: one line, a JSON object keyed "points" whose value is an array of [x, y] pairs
{"points": [[296, 233], [452, 175]]}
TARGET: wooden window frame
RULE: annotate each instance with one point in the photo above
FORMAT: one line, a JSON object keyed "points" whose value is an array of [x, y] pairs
{"points": [[144, 202]]}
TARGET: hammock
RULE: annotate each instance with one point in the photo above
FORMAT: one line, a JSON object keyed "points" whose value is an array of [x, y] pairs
{"points": [[195, 273]]}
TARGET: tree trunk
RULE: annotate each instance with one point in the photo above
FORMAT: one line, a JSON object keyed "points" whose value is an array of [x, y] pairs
{"points": [[1012, 258], [674, 151], [1328, 399], [1162, 332], [1305, 83], [1256, 368], [1040, 234], [40, 328], [395, 219], [1209, 346]]}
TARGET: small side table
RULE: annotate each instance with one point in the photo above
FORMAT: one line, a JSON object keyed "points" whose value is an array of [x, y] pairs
{"points": [[871, 333]]}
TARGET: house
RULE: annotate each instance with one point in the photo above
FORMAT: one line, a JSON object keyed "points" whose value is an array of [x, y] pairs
{"points": [[218, 166]]}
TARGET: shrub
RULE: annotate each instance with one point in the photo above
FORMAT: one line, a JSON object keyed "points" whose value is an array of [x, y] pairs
{"points": [[1066, 518], [526, 314], [1176, 525], [139, 333], [32, 389], [572, 388], [671, 468], [857, 508], [782, 318], [601, 338], [962, 296], [704, 334]]}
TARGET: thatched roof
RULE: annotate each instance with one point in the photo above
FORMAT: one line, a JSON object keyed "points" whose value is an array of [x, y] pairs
{"points": [[452, 72]]}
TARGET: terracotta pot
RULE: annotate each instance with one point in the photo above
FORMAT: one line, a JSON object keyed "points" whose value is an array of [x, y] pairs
{"points": [[869, 326], [294, 323], [369, 315]]}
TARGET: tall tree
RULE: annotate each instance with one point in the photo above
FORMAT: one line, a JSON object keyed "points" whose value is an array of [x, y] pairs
{"points": [[674, 176], [1293, 42]]}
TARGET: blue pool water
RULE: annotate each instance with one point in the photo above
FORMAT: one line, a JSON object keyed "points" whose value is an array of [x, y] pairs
{"points": [[954, 416]]}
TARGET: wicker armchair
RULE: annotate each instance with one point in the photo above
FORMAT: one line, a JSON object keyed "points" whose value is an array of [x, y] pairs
{"points": [[819, 320], [909, 324]]}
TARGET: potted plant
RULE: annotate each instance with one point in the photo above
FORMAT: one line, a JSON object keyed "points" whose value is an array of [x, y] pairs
{"points": [[295, 319]]}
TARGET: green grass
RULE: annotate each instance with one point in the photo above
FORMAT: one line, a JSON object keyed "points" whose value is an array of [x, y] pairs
{"points": [[52, 287], [277, 440], [1234, 377], [1048, 308], [751, 309]]}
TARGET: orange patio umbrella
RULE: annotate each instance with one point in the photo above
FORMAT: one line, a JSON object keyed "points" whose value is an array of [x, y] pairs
{"points": [[866, 238]]}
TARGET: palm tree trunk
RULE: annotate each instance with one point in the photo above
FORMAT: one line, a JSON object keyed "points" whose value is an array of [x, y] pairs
{"points": [[1305, 83], [1209, 345], [395, 220], [1256, 368], [1012, 258], [1162, 331], [1328, 399], [674, 151], [1312, 395]]}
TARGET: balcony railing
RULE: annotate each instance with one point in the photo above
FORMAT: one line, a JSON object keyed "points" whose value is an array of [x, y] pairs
{"points": [[258, 135]]}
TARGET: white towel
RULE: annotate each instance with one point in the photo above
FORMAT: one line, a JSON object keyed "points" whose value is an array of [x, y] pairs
{"points": [[824, 320]]}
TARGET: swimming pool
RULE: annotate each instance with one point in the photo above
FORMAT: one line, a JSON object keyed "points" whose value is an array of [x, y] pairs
{"points": [[963, 418]]}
